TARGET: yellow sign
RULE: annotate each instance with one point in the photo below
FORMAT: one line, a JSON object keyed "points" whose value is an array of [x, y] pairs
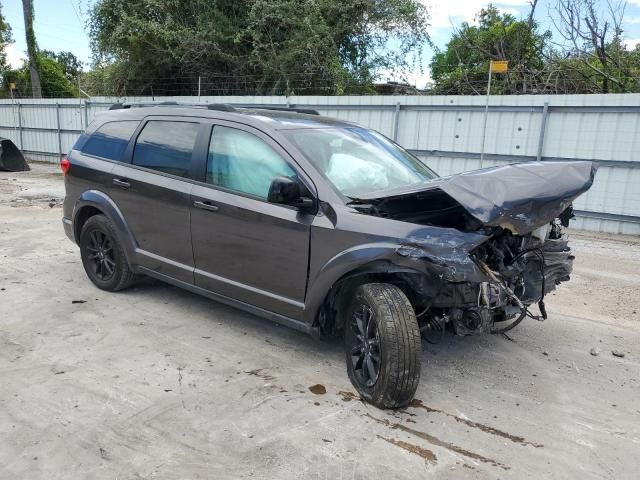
{"points": [[499, 66], [12, 86]]}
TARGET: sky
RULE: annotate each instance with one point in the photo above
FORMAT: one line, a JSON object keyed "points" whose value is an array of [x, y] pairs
{"points": [[60, 25]]}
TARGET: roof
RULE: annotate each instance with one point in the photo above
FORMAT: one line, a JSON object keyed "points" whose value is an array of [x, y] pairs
{"points": [[278, 118], [281, 119]]}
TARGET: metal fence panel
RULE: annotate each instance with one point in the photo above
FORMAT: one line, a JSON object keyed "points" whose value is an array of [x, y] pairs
{"points": [[445, 131]]}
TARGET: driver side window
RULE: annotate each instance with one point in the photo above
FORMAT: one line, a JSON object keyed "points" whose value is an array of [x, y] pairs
{"points": [[241, 161]]}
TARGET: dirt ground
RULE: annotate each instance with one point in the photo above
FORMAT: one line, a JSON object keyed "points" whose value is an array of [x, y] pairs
{"points": [[159, 383]]}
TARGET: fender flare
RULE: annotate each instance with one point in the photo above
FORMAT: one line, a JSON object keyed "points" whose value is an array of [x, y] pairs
{"points": [[378, 257], [104, 203]]}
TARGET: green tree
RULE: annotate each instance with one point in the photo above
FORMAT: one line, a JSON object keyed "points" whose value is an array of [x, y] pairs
{"points": [[251, 46], [580, 72], [71, 66], [54, 82], [595, 54], [103, 80], [463, 66], [335, 45], [590, 57]]}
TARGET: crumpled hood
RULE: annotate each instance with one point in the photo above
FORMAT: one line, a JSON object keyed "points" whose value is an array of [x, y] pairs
{"points": [[519, 197]]}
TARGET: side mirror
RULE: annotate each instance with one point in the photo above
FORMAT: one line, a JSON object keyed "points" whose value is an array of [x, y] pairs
{"points": [[287, 191]]}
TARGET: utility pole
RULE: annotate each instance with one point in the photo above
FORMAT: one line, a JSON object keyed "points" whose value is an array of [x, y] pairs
{"points": [[32, 48]]}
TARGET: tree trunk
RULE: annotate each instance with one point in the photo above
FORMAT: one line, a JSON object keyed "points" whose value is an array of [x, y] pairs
{"points": [[32, 48]]}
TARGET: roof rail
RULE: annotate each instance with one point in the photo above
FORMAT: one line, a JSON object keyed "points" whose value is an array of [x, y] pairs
{"points": [[223, 107], [307, 111]]}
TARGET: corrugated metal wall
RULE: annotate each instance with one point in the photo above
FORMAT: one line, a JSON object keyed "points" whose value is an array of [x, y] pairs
{"points": [[444, 131]]}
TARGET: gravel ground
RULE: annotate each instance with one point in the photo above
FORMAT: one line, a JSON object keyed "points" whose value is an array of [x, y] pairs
{"points": [[159, 383]]}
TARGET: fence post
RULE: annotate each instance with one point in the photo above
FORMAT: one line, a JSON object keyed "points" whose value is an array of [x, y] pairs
{"points": [[80, 115], [20, 126], [86, 113], [58, 129], [14, 117], [396, 121], [543, 129]]}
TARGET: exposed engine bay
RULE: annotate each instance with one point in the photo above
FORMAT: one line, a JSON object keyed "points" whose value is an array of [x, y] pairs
{"points": [[521, 270], [494, 285]]}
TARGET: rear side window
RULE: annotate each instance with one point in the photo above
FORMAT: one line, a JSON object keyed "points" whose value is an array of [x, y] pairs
{"points": [[110, 140], [79, 145], [166, 146]]}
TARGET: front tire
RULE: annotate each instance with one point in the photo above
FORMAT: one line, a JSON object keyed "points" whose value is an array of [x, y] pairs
{"points": [[382, 340], [103, 257]]}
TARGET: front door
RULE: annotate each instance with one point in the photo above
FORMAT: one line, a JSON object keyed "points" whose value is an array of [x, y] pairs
{"points": [[245, 247], [154, 197]]}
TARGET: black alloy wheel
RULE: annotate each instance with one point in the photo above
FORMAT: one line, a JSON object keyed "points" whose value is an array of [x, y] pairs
{"points": [[382, 345], [103, 256], [100, 255], [365, 346]]}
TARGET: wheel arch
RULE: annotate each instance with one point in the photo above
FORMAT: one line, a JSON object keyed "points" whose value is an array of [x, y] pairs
{"points": [[95, 202], [342, 274]]}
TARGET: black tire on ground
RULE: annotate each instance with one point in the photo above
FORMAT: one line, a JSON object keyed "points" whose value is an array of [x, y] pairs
{"points": [[393, 380], [98, 236]]}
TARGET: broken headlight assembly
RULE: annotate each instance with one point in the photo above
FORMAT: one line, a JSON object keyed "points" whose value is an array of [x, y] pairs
{"points": [[519, 269]]}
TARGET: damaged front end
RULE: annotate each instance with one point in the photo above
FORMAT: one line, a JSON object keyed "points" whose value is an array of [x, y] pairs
{"points": [[520, 270], [523, 211]]}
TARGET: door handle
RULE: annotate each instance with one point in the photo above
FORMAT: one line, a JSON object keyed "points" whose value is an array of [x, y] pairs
{"points": [[121, 183], [206, 206]]}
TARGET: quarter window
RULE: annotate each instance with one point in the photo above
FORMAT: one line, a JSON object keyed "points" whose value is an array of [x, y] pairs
{"points": [[166, 146], [241, 161], [109, 141]]}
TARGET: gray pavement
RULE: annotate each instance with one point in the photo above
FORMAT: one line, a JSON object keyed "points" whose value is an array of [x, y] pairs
{"points": [[158, 383]]}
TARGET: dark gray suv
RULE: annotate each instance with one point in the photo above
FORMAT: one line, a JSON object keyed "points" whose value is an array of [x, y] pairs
{"points": [[321, 225]]}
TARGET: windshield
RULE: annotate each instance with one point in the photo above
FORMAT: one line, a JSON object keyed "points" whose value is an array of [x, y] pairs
{"points": [[359, 161]]}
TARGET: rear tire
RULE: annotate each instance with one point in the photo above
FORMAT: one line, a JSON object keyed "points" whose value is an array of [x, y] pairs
{"points": [[383, 347], [103, 257]]}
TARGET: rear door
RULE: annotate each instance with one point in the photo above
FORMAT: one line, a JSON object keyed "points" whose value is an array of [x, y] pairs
{"points": [[245, 247], [153, 193], [100, 151]]}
